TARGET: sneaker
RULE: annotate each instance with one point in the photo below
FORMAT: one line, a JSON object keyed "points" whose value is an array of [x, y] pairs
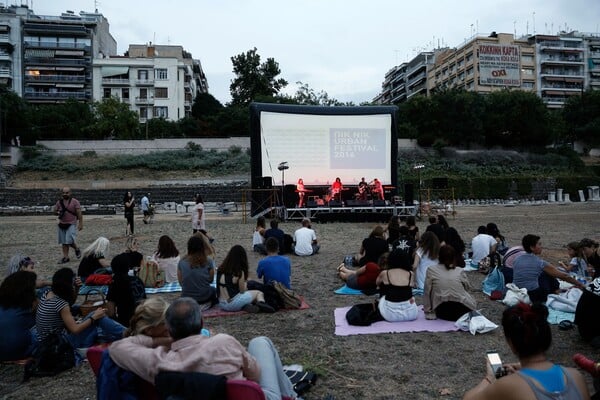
{"points": [[64, 260], [145, 222], [251, 308], [78, 253], [264, 307], [586, 364]]}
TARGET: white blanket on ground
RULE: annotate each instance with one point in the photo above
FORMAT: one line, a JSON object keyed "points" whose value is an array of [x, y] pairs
{"points": [[565, 301]]}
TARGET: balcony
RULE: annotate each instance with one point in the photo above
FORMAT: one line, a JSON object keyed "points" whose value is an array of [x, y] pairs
{"points": [[5, 72], [4, 38], [45, 96], [115, 82], [144, 100], [561, 45], [56, 61], [56, 45], [144, 82], [558, 60], [55, 78], [5, 57]]}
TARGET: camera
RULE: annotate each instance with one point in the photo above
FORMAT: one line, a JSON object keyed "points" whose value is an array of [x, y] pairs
{"points": [[496, 363]]}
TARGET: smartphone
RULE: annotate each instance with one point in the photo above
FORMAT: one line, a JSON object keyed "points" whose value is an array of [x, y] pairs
{"points": [[496, 364]]}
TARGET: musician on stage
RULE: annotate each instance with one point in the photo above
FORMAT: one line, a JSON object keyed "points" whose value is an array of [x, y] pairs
{"points": [[300, 189], [377, 189], [363, 188], [336, 189]]}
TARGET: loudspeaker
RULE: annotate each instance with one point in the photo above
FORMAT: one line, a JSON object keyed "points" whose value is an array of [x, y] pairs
{"points": [[267, 182], [357, 203], [335, 203], [378, 203], [290, 197], [439, 183], [313, 204], [409, 195]]}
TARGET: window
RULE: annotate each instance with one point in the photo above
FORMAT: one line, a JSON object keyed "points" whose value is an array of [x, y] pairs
{"points": [[161, 112], [125, 93], [161, 93], [527, 71], [470, 71], [468, 57], [143, 112], [527, 85], [143, 93], [143, 75], [526, 58], [106, 93], [160, 74]]}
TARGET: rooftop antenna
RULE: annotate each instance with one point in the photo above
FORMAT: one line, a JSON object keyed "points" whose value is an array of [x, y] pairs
{"points": [[96, 4], [534, 22], [515, 28]]}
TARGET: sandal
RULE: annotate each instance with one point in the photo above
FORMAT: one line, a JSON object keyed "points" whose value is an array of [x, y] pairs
{"points": [[64, 260], [565, 325]]}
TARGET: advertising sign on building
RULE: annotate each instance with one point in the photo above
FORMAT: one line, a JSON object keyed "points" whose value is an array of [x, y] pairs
{"points": [[499, 65]]}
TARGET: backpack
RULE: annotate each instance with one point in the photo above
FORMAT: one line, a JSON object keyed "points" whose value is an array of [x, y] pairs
{"points": [[289, 298], [150, 275], [363, 314], [494, 281], [138, 289], [53, 355]]}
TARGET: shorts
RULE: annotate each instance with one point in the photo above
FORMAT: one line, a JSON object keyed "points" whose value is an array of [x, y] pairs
{"points": [[67, 236], [237, 302], [398, 311], [352, 282]]}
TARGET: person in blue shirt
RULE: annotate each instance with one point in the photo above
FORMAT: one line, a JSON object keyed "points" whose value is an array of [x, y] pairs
{"points": [[275, 267], [276, 233]]}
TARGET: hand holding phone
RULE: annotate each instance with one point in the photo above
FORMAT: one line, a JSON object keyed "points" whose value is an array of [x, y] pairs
{"points": [[495, 363]]}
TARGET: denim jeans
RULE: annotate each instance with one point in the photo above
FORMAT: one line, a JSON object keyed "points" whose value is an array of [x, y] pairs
{"points": [[273, 381], [106, 328], [237, 302]]}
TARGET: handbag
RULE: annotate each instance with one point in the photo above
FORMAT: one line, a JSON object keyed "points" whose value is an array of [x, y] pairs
{"points": [[494, 281], [363, 314], [475, 322], [515, 295], [64, 227], [93, 299], [151, 275]]}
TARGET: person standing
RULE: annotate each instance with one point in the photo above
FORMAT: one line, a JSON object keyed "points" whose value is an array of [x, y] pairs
{"points": [[129, 204], [363, 188], [198, 215], [301, 191], [336, 190], [70, 220], [145, 206], [305, 240], [377, 190]]}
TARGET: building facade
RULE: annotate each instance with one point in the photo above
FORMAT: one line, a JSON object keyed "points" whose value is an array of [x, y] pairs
{"points": [[156, 81]]}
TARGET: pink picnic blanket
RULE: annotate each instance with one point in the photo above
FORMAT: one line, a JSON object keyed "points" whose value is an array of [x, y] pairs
{"points": [[419, 325]]}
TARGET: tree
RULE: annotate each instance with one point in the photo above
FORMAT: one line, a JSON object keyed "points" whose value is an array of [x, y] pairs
{"points": [[253, 78], [205, 105], [114, 119], [582, 115], [14, 120]]}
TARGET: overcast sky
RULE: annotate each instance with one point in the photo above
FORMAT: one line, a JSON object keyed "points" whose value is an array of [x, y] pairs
{"points": [[343, 47]]}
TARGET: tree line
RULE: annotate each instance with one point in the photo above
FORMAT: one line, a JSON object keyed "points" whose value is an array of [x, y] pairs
{"points": [[508, 118]]}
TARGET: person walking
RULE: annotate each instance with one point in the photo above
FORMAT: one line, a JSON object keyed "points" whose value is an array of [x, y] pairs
{"points": [[145, 206], [70, 220], [129, 204]]}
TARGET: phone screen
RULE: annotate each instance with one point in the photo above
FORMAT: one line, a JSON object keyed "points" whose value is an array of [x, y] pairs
{"points": [[494, 359]]}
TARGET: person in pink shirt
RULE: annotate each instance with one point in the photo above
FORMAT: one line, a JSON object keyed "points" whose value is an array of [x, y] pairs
{"points": [[190, 351], [70, 220]]}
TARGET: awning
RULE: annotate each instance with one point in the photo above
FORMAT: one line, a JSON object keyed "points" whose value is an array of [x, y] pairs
{"points": [[69, 85], [69, 52], [43, 53], [554, 78], [574, 80], [4, 28], [70, 68], [553, 93], [114, 71], [39, 68]]}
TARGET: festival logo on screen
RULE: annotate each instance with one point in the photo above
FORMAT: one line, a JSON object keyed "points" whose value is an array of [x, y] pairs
{"points": [[362, 148], [499, 65]]}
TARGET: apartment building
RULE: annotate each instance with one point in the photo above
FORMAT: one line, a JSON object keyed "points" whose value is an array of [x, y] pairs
{"points": [[156, 81], [48, 59], [393, 89]]}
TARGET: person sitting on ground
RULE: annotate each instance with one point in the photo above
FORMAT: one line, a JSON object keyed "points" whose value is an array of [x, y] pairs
{"points": [[276, 233], [125, 292], [275, 267], [395, 288], [94, 258], [258, 237], [305, 240], [19, 262], [232, 278], [190, 351], [493, 231], [539, 277], [149, 319], [196, 272], [425, 256], [405, 242], [445, 294], [435, 227], [577, 264], [363, 278], [508, 261], [529, 337], [18, 302], [373, 247], [591, 252], [54, 315], [453, 239], [413, 229], [208, 243], [167, 257], [482, 245], [393, 229]]}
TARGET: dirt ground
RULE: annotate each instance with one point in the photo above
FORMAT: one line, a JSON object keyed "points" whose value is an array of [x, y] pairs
{"points": [[383, 366]]}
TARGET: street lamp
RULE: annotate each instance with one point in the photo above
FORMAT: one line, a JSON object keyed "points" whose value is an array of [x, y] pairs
{"points": [[418, 168]]}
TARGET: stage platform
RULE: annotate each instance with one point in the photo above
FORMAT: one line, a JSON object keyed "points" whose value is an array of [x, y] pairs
{"points": [[346, 213]]}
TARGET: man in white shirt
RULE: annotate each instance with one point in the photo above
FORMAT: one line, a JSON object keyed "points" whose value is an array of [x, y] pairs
{"points": [[145, 206], [482, 245], [305, 240]]}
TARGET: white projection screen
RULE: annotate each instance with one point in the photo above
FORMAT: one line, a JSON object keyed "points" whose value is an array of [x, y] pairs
{"points": [[319, 144]]}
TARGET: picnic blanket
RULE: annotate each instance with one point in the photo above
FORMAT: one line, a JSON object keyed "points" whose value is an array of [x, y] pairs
{"points": [[167, 288], [347, 290], [555, 316], [85, 289], [217, 311], [342, 328]]}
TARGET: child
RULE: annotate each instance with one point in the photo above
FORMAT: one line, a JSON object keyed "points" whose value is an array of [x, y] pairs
{"points": [[577, 264]]}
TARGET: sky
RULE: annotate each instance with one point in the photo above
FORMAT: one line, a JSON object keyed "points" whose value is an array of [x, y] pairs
{"points": [[341, 47]]}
